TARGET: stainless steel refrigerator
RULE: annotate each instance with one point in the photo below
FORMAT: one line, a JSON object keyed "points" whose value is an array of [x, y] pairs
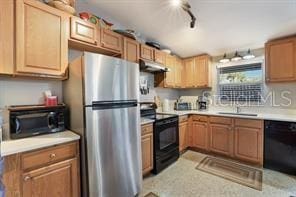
{"points": [[102, 93]]}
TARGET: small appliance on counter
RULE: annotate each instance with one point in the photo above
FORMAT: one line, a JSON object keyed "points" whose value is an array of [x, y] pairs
{"points": [[165, 136], [29, 120], [183, 106], [202, 103]]}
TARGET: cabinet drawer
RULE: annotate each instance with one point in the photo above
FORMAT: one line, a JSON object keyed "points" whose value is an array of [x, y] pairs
{"points": [[146, 129], [220, 120], [248, 123], [49, 155], [111, 40], [200, 118], [83, 31], [183, 118]]}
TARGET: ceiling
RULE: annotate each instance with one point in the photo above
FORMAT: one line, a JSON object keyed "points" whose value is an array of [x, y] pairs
{"points": [[222, 25]]}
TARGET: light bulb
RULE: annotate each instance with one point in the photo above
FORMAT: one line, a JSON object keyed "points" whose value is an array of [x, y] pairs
{"points": [[176, 3]]}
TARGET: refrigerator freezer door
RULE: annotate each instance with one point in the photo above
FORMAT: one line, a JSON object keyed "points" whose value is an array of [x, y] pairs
{"points": [[114, 153], [108, 79]]}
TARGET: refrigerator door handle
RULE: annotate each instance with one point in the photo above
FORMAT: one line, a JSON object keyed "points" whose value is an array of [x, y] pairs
{"points": [[97, 105]]}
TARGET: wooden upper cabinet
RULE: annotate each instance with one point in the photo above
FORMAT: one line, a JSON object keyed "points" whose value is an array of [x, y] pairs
{"points": [[6, 37], [202, 71], [178, 73], [281, 60], [146, 52], [111, 40], [60, 179], [189, 66], [41, 38], [131, 50], [159, 56], [200, 134], [170, 75], [83, 31]]}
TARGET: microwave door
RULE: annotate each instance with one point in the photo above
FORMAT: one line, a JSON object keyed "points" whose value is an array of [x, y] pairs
{"points": [[30, 124]]}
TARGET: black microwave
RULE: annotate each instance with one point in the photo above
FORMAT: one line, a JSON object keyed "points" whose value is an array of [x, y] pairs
{"points": [[27, 121]]}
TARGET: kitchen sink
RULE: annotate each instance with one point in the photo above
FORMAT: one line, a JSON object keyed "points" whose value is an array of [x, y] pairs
{"points": [[238, 114]]}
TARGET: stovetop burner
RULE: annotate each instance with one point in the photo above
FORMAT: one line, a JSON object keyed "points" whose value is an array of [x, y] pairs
{"points": [[148, 110]]}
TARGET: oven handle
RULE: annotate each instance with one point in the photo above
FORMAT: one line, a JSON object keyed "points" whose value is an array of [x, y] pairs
{"points": [[163, 122]]}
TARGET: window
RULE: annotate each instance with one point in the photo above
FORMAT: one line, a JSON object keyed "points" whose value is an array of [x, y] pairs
{"points": [[241, 83]]}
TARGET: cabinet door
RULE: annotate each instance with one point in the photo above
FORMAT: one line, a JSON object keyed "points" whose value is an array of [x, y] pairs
{"points": [[6, 37], [200, 135], [221, 139], [83, 31], [147, 153], [170, 75], [201, 71], [178, 73], [159, 56], [249, 144], [183, 136], [111, 40], [281, 60], [147, 52], [41, 38], [61, 179], [189, 65], [131, 50]]}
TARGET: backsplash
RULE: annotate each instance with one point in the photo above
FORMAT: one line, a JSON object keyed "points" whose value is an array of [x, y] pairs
{"points": [[26, 92], [163, 93]]}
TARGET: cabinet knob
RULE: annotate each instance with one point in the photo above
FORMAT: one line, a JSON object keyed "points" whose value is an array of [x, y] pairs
{"points": [[27, 178], [52, 155], [96, 42]]}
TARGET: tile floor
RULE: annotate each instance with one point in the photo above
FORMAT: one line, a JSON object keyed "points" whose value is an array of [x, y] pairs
{"points": [[182, 180]]}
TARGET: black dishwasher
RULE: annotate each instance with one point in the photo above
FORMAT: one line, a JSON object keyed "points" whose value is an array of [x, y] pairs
{"points": [[280, 146]]}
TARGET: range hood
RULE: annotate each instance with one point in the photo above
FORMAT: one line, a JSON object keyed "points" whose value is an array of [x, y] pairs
{"points": [[152, 67]]}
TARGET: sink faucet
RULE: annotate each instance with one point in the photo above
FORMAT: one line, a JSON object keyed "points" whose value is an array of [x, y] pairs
{"points": [[238, 109]]}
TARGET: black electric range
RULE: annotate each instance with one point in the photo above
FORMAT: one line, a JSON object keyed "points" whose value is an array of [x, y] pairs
{"points": [[165, 136]]}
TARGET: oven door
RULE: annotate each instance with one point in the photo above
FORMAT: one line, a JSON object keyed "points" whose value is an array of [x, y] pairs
{"points": [[166, 136]]}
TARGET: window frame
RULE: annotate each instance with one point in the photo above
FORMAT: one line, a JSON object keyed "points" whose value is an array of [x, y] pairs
{"points": [[236, 101]]}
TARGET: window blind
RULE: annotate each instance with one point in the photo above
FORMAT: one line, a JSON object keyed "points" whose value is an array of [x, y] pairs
{"points": [[240, 83]]}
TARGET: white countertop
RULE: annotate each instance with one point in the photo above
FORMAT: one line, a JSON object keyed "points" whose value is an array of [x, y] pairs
{"points": [[261, 116], [146, 121], [10, 147]]}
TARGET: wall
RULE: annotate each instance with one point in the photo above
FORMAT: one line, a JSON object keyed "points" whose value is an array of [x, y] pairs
{"points": [[15, 91], [163, 93]]}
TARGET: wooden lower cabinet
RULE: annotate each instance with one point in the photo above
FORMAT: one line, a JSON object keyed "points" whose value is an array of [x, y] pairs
{"points": [[200, 135], [249, 141], [183, 133], [56, 175], [221, 139], [147, 148], [60, 179]]}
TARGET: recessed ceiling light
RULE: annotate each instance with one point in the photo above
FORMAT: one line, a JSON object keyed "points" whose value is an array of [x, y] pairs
{"points": [[249, 55], [224, 59], [236, 57]]}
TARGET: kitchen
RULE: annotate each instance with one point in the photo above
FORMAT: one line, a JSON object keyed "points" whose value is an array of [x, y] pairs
{"points": [[90, 107]]}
